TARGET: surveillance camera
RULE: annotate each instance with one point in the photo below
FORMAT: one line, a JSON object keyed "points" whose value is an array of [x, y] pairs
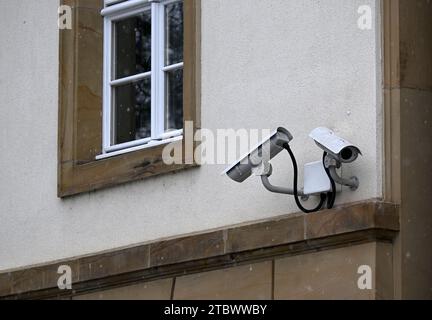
{"points": [[340, 149], [336, 152], [265, 151]]}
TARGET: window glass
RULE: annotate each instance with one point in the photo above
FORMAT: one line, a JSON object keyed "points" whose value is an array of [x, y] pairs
{"points": [[173, 33], [174, 100], [132, 112], [132, 45]]}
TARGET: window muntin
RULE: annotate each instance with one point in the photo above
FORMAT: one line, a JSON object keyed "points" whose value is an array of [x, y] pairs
{"points": [[143, 81]]}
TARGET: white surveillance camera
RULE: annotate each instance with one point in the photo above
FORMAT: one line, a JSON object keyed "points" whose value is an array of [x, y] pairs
{"points": [[260, 155], [340, 149]]}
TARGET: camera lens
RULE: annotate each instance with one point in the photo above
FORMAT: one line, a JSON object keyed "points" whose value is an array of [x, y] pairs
{"points": [[346, 154]]}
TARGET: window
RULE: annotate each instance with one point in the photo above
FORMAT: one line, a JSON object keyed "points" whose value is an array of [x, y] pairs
{"points": [[153, 88], [143, 74]]}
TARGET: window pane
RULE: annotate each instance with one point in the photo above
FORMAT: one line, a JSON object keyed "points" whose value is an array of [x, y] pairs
{"points": [[174, 100], [133, 45], [132, 112], [174, 33]]}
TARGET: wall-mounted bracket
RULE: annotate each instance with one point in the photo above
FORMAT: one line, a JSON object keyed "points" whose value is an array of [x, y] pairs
{"points": [[332, 164]]}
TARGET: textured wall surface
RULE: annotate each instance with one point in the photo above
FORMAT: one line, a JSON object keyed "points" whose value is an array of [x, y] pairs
{"points": [[299, 64], [328, 274], [416, 130]]}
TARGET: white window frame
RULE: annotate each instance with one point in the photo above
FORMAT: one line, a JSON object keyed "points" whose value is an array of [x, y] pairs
{"points": [[121, 9]]}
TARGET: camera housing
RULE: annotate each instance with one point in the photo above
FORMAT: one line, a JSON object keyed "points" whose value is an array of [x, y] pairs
{"points": [[259, 155], [340, 149]]}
